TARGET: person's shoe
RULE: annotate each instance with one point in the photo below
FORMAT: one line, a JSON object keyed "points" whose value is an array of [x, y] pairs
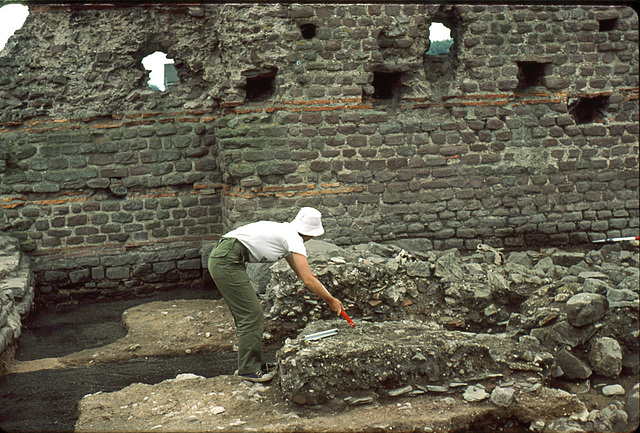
{"points": [[258, 376]]}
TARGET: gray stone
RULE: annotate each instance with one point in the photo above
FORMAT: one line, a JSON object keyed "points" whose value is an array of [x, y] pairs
{"points": [[475, 393], [521, 258], [563, 425], [380, 354], [606, 357], [583, 276], [502, 396], [437, 388], [418, 269], [383, 250], [448, 267], [566, 259], [620, 295], [400, 391], [572, 367], [354, 401], [632, 404], [593, 285], [563, 334], [585, 308]]}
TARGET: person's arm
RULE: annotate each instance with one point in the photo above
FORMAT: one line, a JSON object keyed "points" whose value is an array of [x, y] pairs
{"points": [[300, 266]]}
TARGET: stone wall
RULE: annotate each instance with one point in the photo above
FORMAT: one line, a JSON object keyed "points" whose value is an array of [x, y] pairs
{"points": [[525, 133], [16, 297]]}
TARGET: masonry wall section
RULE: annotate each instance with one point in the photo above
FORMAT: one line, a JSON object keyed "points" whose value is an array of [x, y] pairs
{"points": [[112, 188]]}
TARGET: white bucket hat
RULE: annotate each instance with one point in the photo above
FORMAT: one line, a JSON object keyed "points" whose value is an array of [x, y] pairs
{"points": [[308, 223]]}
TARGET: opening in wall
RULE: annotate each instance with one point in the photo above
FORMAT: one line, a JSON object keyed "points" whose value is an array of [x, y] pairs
{"points": [[608, 25], [12, 18], [386, 85], [589, 109], [440, 39], [260, 84], [530, 74], [308, 31], [440, 61], [162, 73]]}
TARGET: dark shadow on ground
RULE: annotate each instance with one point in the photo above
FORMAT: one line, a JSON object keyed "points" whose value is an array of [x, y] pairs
{"points": [[58, 331], [46, 400]]}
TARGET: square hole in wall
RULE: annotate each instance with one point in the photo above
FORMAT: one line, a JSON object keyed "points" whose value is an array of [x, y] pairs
{"points": [[607, 25], [589, 109], [260, 85], [386, 85], [530, 74]]}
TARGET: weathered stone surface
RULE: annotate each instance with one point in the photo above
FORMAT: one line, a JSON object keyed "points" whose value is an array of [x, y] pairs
{"points": [[586, 308], [573, 367], [17, 292], [632, 405], [606, 357], [475, 393], [502, 396], [567, 259], [389, 355]]}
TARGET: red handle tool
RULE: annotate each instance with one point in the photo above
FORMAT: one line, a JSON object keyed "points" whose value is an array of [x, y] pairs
{"points": [[347, 318]]}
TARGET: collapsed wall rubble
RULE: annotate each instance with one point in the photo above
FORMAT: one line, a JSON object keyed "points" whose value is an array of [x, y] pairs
{"points": [[16, 297], [439, 321], [399, 357]]}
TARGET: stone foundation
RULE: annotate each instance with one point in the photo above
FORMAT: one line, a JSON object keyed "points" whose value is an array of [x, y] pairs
{"points": [[16, 297], [386, 357]]}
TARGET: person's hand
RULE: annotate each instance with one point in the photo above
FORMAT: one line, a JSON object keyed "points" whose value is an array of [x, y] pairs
{"points": [[335, 305]]}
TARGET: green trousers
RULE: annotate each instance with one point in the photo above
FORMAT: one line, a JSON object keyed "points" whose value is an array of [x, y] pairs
{"points": [[227, 268]]}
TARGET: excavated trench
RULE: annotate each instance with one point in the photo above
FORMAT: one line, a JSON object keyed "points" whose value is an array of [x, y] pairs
{"points": [[46, 399]]}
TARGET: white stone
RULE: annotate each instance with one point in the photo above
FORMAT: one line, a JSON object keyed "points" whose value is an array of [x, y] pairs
{"points": [[475, 393], [610, 390]]}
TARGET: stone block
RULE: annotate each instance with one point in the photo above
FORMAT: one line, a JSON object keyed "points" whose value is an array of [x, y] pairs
{"points": [[572, 367], [118, 272], [586, 308], [606, 357], [384, 356]]}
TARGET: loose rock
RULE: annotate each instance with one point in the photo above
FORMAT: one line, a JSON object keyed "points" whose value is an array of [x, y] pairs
{"points": [[610, 390], [606, 357], [502, 396], [586, 308]]}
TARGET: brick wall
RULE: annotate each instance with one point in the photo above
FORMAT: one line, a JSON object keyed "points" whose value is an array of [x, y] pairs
{"points": [[525, 134]]}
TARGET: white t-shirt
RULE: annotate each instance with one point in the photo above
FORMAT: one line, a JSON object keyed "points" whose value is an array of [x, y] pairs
{"points": [[268, 241]]}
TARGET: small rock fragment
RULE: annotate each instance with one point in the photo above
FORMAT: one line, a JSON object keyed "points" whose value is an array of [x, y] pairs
{"points": [[502, 396], [610, 390], [475, 393], [400, 391]]}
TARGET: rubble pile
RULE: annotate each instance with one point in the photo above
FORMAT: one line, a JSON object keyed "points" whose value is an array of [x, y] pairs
{"points": [[400, 357], [575, 312], [562, 298]]}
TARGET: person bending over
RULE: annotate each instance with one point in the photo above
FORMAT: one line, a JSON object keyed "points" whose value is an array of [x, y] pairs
{"points": [[261, 242]]}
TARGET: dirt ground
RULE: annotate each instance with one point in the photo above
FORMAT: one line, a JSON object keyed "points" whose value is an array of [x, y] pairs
{"points": [[170, 368], [228, 403]]}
